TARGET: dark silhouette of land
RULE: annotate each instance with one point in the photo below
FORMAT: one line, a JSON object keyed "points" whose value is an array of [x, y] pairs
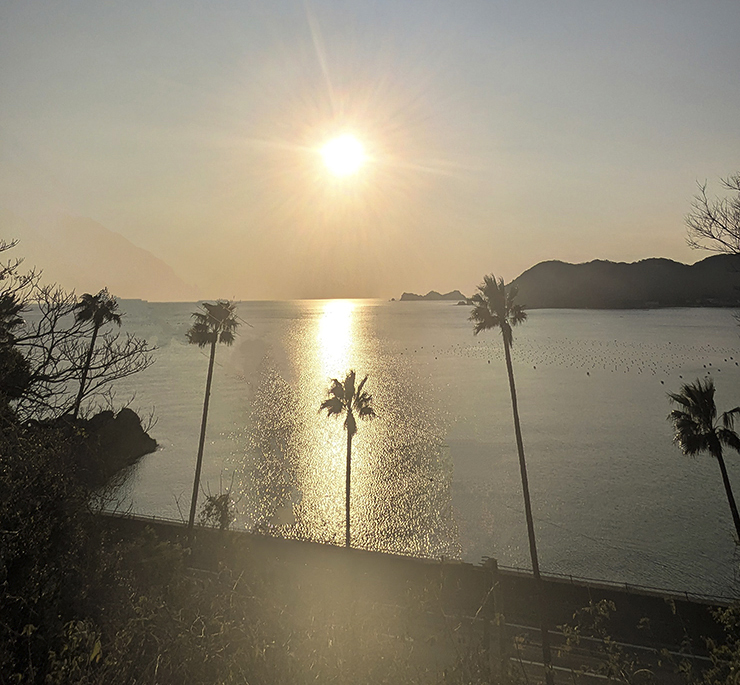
{"points": [[112, 442], [433, 296], [601, 284], [712, 282]]}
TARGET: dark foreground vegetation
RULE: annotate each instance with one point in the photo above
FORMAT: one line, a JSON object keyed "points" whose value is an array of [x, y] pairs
{"points": [[84, 601], [94, 599]]}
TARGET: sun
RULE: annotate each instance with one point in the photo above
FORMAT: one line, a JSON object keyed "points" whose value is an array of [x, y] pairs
{"points": [[343, 155]]}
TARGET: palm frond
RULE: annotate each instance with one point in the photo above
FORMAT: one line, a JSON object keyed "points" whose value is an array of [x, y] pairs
{"points": [[517, 314], [494, 307], [695, 426], [200, 334], [729, 437], [691, 444], [332, 405], [728, 418], [226, 337], [349, 387], [483, 318], [337, 389], [679, 398], [216, 322], [114, 317], [100, 309], [345, 398], [697, 399], [366, 411], [697, 431], [361, 386]]}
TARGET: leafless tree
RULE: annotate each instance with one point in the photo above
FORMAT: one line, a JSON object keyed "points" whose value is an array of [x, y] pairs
{"points": [[714, 223], [39, 322]]}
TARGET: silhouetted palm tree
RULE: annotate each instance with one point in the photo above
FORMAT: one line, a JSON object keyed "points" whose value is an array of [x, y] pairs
{"points": [[345, 398], [215, 324], [494, 307], [697, 429], [100, 309]]}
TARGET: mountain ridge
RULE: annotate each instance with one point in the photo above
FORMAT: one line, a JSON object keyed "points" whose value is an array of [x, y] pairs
{"points": [[653, 282], [83, 255]]}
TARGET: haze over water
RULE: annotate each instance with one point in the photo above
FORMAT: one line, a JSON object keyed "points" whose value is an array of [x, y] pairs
{"points": [[436, 474]]}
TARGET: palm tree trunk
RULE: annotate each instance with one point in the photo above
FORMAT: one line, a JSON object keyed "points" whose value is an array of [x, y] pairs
{"points": [[728, 490], [347, 489], [199, 462], [546, 657], [85, 371]]}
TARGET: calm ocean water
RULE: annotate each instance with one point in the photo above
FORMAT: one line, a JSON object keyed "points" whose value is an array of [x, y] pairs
{"points": [[436, 474]]}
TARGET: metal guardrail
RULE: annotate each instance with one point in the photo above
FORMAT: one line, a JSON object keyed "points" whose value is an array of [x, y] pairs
{"points": [[143, 517], [575, 580], [628, 587]]}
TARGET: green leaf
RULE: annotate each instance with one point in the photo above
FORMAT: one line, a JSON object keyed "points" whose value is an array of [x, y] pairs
{"points": [[96, 653]]}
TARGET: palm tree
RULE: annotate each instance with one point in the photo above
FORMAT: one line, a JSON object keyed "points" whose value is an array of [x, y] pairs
{"points": [[215, 324], [345, 398], [494, 307], [697, 429], [100, 309]]}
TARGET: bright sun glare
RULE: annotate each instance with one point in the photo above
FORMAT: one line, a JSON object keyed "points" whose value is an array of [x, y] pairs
{"points": [[344, 155]]}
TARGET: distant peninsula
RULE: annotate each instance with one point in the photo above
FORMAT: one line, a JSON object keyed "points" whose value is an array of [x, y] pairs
{"points": [[83, 255], [433, 296], [650, 283]]}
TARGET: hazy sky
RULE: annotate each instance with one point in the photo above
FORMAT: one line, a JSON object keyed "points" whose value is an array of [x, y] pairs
{"points": [[500, 134]]}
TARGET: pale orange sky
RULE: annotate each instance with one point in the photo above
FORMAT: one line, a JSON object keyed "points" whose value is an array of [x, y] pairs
{"points": [[500, 134]]}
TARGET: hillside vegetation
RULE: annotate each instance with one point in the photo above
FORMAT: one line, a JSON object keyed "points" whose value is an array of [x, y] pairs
{"points": [[712, 282]]}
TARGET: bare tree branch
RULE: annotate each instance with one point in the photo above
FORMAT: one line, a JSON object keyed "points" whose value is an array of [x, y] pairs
{"points": [[714, 224], [55, 345]]}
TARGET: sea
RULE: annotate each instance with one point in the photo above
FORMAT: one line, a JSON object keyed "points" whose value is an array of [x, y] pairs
{"points": [[436, 474]]}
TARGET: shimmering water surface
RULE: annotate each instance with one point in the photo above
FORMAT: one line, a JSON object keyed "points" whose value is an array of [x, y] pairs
{"points": [[436, 473]]}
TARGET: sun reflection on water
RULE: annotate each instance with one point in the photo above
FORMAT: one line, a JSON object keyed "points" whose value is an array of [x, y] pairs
{"points": [[401, 475], [334, 337], [330, 352]]}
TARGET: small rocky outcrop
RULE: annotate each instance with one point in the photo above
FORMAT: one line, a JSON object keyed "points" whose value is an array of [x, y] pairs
{"points": [[112, 442], [433, 296]]}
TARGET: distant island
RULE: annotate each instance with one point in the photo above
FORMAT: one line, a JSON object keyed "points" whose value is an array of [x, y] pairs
{"points": [[711, 282], [433, 296], [601, 284]]}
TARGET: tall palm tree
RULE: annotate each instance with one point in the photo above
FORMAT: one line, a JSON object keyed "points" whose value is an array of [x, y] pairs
{"points": [[697, 429], [494, 307], [345, 398], [217, 323], [100, 309]]}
